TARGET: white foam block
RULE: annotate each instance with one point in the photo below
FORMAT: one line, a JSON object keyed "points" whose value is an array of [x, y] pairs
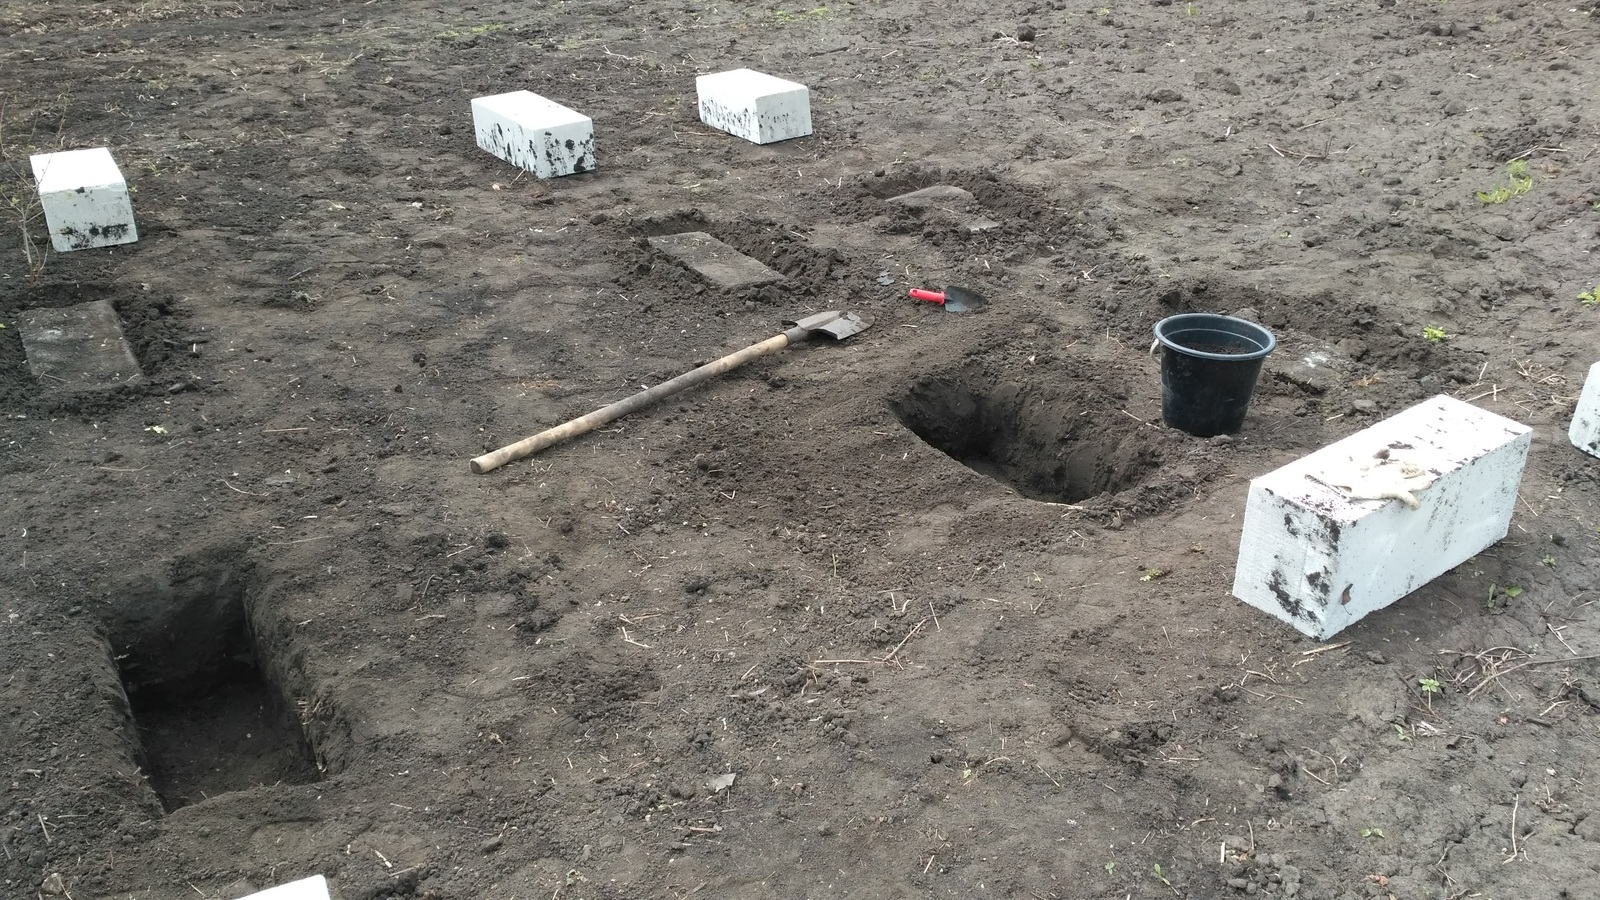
{"points": [[754, 106], [537, 134], [1585, 429], [85, 199], [313, 888], [1318, 559]]}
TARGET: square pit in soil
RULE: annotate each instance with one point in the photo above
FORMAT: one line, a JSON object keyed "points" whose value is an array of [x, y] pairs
{"points": [[78, 347], [1053, 443], [209, 720]]}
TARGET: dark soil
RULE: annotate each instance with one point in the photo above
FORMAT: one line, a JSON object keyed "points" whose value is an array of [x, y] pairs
{"points": [[946, 600]]}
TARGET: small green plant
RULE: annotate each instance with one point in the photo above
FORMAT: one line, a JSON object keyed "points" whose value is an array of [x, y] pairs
{"points": [[1152, 574], [1547, 560], [1591, 297], [1190, 10], [1433, 334], [1110, 867], [1372, 832], [475, 31], [1157, 874], [1520, 182], [1430, 688], [814, 14], [1498, 595]]}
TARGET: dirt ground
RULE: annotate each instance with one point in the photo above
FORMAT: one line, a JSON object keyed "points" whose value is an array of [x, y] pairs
{"points": [[769, 639]]}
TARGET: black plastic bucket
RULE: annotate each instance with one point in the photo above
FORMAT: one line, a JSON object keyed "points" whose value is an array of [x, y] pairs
{"points": [[1209, 367]]}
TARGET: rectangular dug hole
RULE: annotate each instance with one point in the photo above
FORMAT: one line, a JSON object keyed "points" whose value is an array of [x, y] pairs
{"points": [[208, 718], [80, 347], [715, 261]]}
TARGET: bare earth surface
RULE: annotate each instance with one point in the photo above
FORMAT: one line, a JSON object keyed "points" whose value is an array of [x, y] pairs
{"points": [[769, 639]]}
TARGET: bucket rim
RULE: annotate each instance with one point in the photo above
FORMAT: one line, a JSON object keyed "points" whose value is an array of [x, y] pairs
{"points": [[1243, 328]]}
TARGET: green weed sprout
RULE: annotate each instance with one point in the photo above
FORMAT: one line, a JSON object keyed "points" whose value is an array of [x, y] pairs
{"points": [[1433, 335], [814, 14], [1591, 297], [1520, 183], [1499, 595]]}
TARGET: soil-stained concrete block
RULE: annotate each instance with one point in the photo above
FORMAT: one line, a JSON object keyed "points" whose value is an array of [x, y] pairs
{"points": [[537, 134], [715, 261], [1333, 536], [1585, 429], [313, 888], [85, 199], [77, 347], [754, 105]]}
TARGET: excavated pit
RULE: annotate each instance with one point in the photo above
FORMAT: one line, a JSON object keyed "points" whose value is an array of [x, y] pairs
{"points": [[208, 717], [1046, 442]]}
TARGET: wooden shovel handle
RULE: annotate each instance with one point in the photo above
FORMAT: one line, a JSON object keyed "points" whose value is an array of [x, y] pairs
{"points": [[583, 424]]}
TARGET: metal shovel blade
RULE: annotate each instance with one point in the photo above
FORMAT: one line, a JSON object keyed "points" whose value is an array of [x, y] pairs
{"points": [[962, 300], [838, 325], [953, 299]]}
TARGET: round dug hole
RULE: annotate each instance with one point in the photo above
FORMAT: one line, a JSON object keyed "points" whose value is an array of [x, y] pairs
{"points": [[209, 717], [1056, 443]]}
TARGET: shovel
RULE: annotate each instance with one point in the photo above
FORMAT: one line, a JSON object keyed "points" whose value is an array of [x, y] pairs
{"points": [[953, 299], [839, 325]]}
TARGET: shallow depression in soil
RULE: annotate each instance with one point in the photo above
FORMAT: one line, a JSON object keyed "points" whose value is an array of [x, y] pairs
{"points": [[1059, 444]]}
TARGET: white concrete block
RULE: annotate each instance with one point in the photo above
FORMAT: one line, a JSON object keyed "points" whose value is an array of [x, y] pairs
{"points": [[313, 888], [1585, 429], [85, 199], [539, 135], [754, 106], [1319, 558]]}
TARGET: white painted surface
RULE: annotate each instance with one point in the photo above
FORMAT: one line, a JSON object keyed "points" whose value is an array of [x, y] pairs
{"points": [[313, 888], [1319, 560], [534, 133], [85, 199], [1585, 429], [755, 106]]}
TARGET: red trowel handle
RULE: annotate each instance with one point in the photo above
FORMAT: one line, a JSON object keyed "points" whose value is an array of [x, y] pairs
{"points": [[930, 296]]}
